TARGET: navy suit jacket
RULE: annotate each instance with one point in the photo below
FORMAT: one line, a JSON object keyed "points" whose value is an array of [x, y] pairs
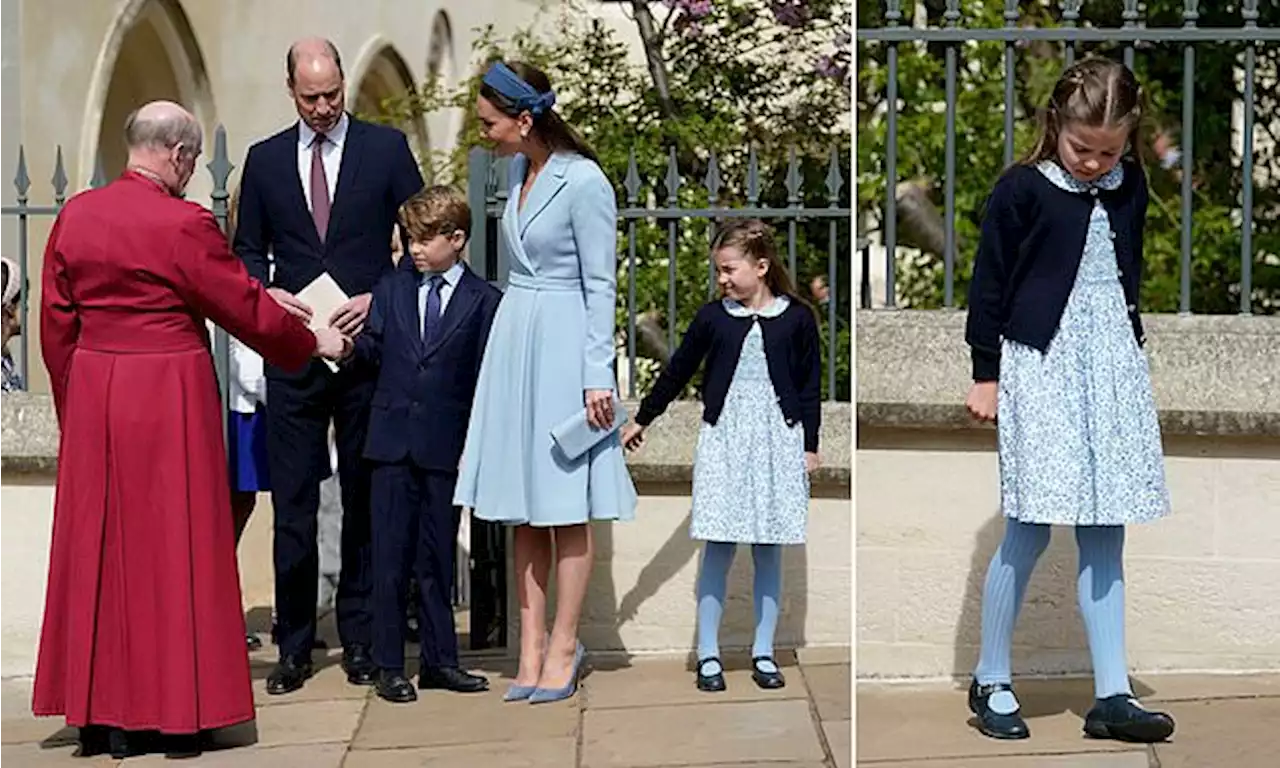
{"points": [[422, 403], [377, 174]]}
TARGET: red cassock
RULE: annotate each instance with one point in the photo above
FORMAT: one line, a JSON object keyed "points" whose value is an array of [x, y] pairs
{"points": [[143, 626]]}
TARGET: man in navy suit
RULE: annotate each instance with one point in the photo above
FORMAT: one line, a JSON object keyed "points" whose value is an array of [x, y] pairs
{"points": [[427, 331], [321, 196]]}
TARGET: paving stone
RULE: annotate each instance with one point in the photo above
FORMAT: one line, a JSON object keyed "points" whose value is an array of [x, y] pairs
{"points": [[918, 723], [656, 682], [535, 753], [825, 654], [36, 756], [839, 735], [830, 687], [327, 684], [1087, 760], [1240, 733], [313, 722], [309, 755], [729, 733], [440, 718], [1187, 687]]}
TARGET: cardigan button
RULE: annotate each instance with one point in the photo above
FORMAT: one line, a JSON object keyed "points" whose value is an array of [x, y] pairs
{"points": [[1133, 308], [1113, 235], [1093, 191]]}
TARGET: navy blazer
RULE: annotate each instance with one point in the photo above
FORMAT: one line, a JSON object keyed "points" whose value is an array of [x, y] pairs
{"points": [[1033, 236], [377, 174], [422, 403]]}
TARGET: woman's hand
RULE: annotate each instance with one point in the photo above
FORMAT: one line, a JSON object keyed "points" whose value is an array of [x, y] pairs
{"points": [[599, 408], [332, 343], [981, 401], [632, 436], [811, 461]]}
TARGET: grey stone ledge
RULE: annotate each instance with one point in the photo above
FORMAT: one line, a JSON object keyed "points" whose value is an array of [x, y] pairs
{"points": [[1211, 374], [29, 435]]}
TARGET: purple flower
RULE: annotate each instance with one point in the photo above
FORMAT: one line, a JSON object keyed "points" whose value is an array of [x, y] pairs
{"points": [[790, 13]]}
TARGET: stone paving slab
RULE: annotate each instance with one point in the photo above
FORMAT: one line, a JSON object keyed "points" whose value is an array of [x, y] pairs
{"points": [[919, 723], [729, 733], [1238, 733], [441, 718], [532, 753], [655, 682], [1095, 760], [308, 755]]}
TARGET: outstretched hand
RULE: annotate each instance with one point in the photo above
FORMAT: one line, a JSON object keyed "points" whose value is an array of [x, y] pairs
{"points": [[332, 343]]}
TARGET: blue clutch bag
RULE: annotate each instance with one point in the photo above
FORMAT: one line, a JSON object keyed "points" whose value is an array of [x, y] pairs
{"points": [[575, 435]]}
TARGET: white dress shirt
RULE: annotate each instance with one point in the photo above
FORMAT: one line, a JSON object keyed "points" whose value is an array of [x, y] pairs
{"points": [[451, 277], [330, 154]]}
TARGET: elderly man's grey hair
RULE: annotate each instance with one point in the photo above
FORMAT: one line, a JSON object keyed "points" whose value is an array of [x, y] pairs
{"points": [[155, 127]]}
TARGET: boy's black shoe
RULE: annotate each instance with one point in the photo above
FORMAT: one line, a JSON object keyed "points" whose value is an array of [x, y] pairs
{"points": [[1121, 717], [997, 725], [451, 679], [395, 687]]}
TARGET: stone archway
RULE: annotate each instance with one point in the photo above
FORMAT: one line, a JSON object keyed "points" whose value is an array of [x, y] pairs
{"points": [[381, 74], [149, 53]]}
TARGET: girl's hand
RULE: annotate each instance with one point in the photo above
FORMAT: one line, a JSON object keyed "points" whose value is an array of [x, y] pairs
{"points": [[632, 436], [981, 401], [599, 408], [811, 462]]}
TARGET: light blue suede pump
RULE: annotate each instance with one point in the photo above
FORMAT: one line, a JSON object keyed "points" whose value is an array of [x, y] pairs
{"points": [[547, 695]]}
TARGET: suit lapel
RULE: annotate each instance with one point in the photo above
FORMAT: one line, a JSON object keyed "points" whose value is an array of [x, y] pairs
{"points": [[348, 171], [548, 184], [407, 308], [289, 164], [461, 304]]}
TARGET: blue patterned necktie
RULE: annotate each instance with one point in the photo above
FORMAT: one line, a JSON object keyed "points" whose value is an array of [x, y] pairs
{"points": [[432, 313]]}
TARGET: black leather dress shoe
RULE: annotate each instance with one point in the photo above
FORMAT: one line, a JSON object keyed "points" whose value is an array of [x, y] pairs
{"points": [[1121, 717], [359, 666], [765, 678], [288, 676], [181, 746], [93, 740], [451, 679], [714, 682], [395, 688], [252, 642], [997, 725], [122, 744]]}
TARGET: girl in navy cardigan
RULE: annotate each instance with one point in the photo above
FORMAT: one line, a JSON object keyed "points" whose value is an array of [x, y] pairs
{"points": [[761, 399], [1056, 340]]}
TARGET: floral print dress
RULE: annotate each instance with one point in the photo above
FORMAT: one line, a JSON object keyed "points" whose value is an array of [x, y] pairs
{"points": [[1078, 432]]}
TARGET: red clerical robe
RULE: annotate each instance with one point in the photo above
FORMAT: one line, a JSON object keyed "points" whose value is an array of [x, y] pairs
{"points": [[143, 625]]}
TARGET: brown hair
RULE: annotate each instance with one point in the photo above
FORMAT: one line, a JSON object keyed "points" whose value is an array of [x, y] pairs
{"points": [[436, 210], [549, 126], [1094, 92], [755, 240]]}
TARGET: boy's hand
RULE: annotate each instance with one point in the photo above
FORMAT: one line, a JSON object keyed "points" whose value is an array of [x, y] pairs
{"points": [[350, 317], [632, 436], [811, 461]]}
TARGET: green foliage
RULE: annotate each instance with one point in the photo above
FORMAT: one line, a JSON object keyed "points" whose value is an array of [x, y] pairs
{"points": [[1217, 177], [740, 73]]}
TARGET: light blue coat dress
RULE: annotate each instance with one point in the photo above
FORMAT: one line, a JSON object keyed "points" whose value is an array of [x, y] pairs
{"points": [[552, 338]]}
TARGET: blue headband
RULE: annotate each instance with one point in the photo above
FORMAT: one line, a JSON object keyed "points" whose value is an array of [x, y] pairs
{"points": [[502, 79]]}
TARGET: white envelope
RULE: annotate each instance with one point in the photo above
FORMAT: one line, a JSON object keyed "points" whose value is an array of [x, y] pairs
{"points": [[324, 296]]}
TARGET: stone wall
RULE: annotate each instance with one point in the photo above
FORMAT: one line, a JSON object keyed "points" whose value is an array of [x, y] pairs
{"points": [[641, 596], [1201, 584]]}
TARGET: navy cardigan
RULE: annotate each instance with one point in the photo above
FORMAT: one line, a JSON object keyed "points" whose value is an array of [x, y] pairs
{"points": [[791, 346], [1033, 236]]}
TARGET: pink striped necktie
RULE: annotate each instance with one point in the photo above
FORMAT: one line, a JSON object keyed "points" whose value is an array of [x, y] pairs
{"points": [[320, 204]]}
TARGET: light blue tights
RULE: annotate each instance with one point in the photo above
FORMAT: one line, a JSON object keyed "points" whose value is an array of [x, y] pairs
{"points": [[717, 556], [1099, 587]]}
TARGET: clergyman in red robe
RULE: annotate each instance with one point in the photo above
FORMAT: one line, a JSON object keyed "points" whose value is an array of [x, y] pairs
{"points": [[143, 627]]}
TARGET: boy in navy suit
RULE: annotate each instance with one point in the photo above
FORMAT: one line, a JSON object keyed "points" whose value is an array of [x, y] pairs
{"points": [[427, 330]]}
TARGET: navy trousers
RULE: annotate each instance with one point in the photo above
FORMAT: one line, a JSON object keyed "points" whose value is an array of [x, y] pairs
{"points": [[415, 527]]}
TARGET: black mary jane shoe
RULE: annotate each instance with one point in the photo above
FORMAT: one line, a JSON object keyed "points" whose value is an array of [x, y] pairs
{"points": [[766, 679], [93, 741], [1122, 718], [395, 688], [992, 723], [712, 683]]}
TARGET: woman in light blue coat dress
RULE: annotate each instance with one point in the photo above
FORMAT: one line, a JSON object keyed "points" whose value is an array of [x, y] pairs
{"points": [[550, 356]]}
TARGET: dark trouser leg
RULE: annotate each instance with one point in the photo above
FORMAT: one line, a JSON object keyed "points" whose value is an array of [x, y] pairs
{"points": [[297, 450], [437, 547], [396, 501], [352, 395]]}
